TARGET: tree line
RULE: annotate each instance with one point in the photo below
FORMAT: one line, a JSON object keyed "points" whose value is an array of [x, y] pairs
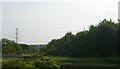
{"points": [[100, 40], [11, 47]]}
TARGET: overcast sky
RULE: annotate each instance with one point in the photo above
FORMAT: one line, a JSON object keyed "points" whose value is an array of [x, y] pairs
{"points": [[40, 21]]}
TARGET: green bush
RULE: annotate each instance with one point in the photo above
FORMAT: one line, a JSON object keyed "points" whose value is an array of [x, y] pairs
{"points": [[46, 63]]}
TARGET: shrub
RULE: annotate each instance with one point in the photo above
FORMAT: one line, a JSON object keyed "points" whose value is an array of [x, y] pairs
{"points": [[46, 63]]}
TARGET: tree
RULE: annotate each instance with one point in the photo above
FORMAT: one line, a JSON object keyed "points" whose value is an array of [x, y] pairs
{"points": [[99, 41]]}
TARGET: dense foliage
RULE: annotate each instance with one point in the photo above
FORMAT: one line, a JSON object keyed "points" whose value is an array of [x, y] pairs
{"points": [[46, 63], [100, 40], [11, 47]]}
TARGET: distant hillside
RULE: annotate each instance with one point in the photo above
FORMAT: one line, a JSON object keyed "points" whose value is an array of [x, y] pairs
{"points": [[40, 46]]}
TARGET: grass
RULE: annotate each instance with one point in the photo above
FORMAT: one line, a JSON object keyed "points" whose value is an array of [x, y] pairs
{"points": [[14, 62], [108, 61], [67, 61], [9, 62], [5, 60], [29, 54]]}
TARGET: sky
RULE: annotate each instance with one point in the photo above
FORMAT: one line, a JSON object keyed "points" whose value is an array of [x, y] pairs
{"points": [[40, 21], [119, 10]]}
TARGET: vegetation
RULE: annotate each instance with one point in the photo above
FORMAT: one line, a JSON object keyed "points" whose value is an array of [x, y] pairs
{"points": [[41, 63], [46, 63], [10, 47], [108, 61], [54, 62], [98, 46], [99, 41]]}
